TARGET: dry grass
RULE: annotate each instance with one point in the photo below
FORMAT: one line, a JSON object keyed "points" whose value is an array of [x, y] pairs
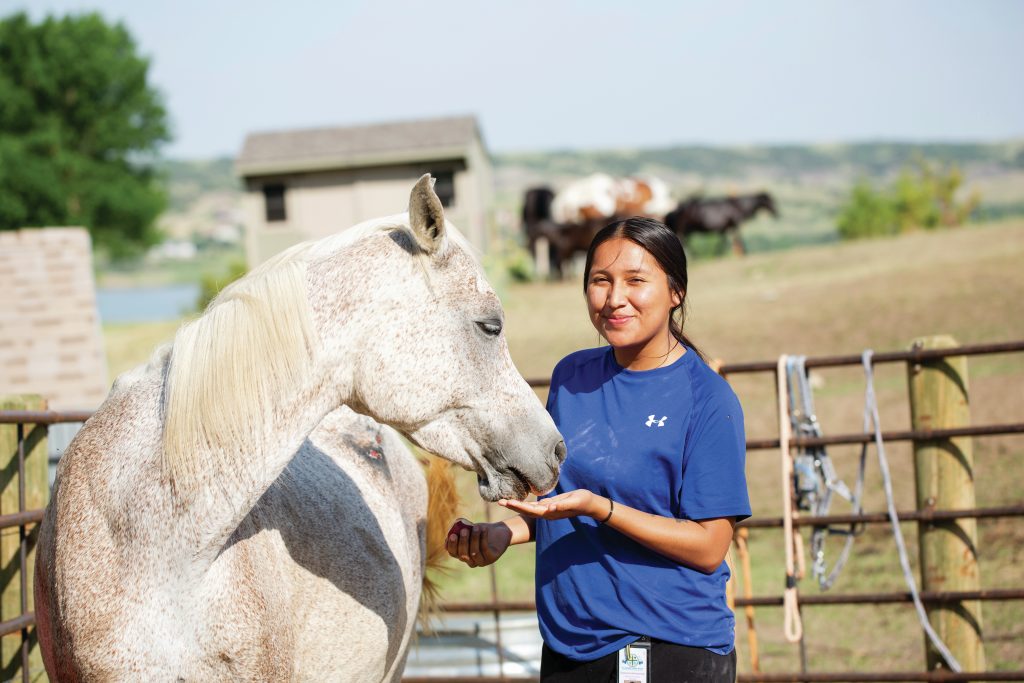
{"points": [[129, 345]]}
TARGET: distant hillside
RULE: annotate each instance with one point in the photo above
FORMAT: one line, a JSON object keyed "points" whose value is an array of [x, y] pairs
{"points": [[784, 160], [809, 181], [188, 180], [203, 196]]}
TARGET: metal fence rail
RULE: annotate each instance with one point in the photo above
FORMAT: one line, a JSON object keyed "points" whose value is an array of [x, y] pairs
{"points": [[776, 600], [822, 676], [25, 518]]}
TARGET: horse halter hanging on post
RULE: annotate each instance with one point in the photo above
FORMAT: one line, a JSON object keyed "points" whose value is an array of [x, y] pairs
{"points": [[814, 476]]}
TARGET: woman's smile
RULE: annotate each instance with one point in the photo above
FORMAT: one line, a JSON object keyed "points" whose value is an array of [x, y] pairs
{"points": [[630, 303], [618, 320]]}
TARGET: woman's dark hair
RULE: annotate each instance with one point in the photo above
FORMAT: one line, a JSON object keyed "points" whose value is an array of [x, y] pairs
{"points": [[661, 243]]}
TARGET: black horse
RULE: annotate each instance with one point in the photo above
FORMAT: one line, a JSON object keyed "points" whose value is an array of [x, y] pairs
{"points": [[719, 216], [564, 239]]}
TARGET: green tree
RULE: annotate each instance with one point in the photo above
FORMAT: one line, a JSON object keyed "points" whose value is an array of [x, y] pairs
{"points": [[80, 130]]}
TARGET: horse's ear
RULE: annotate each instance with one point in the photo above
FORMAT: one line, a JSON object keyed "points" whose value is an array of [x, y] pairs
{"points": [[426, 215]]}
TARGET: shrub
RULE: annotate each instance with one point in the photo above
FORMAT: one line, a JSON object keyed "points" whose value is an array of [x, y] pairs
{"points": [[922, 196], [867, 213]]}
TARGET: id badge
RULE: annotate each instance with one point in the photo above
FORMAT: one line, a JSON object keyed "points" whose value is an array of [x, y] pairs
{"points": [[635, 663]]}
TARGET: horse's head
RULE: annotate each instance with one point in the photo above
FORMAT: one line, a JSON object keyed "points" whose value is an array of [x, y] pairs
{"points": [[414, 333], [678, 218], [766, 201]]}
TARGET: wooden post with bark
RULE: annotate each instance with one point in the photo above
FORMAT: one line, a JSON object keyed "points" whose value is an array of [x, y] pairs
{"points": [[15, 587], [944, 472]]}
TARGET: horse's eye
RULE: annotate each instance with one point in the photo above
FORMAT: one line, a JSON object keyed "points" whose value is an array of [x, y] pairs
{"points": [[492, 328]]}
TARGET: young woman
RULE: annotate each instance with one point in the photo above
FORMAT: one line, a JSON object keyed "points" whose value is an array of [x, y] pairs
{"points": [[632, 542]]}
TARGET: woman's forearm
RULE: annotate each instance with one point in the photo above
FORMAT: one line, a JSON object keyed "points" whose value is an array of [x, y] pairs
{"points": [[701, 545], [522, 528]]}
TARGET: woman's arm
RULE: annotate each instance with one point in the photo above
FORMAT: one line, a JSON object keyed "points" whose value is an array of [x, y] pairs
{"points": [[702, 544], [481, 544]]}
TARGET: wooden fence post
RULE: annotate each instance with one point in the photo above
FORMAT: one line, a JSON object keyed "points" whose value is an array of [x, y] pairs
{"points": [[944, 472], [37, 494]]}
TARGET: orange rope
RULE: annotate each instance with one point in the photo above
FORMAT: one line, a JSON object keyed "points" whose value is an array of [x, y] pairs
{"points": [[740, 538]]}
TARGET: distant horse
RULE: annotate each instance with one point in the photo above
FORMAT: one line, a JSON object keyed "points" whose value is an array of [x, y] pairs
{"points": [[720, 215], [563, 240], [601, 196], [569, 220], [223, 517]]}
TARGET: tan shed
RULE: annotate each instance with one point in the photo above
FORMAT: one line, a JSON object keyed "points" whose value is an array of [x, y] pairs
{"points": [[305, 184]]}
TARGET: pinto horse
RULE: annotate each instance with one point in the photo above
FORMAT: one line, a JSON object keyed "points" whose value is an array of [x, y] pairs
{"points": [[568, 221], [226, 514], [719, 215]]}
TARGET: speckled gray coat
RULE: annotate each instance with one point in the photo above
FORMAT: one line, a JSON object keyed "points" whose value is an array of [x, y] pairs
{"points": [[301, 559]]}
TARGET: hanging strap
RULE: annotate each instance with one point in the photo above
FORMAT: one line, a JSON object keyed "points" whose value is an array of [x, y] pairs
{"points": [[792, 624], [872, 422]]}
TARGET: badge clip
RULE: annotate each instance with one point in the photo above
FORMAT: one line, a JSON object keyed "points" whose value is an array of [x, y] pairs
{"points": [[634, 663]]}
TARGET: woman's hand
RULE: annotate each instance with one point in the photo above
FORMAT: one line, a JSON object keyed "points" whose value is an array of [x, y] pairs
{"points": [[480, 544], [568, 504], [701, 544]]}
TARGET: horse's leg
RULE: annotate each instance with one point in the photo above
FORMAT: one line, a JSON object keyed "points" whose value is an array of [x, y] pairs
{"points": [[738, 247]]}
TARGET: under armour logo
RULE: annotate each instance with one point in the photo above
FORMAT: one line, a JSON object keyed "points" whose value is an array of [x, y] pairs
{"points": [[651, 421]]}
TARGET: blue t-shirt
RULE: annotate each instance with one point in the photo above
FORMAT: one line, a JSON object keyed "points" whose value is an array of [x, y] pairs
{"points": [[667, 441]]}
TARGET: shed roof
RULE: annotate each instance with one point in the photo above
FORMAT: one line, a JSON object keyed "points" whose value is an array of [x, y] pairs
{"points": [[315, 149]]}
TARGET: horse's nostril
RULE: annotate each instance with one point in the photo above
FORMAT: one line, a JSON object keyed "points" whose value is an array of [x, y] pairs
{"points": [[560, 452]]}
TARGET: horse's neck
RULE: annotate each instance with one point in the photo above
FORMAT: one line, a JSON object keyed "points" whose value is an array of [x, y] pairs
{"points": [[230, 488], [749, 205]]}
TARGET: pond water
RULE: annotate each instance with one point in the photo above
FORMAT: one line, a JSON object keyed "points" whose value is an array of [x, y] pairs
{"points": [[146, 304]]}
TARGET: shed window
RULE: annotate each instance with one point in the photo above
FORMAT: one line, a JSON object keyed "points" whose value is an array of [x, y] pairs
{"points": [[445, 187], [273, 196]]}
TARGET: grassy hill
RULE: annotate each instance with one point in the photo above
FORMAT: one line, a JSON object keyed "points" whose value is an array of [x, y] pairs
{"points": [[793, 161], [809, 181]]}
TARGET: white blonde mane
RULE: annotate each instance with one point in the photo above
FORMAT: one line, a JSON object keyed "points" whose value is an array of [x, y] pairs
{"points": [[254, 344]]}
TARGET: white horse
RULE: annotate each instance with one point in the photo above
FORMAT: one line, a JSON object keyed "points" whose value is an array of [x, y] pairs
{"points": [[208, 523]]}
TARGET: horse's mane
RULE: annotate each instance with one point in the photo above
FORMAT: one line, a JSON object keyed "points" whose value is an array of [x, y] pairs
{"points": [[442, 508], [254, 344]]}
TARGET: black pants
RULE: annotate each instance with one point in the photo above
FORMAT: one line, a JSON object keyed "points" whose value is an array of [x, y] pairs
{"points": [[670, 663]]}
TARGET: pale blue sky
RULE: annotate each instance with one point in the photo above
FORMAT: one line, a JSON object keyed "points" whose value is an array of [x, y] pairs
{"points": [[547, 74]]}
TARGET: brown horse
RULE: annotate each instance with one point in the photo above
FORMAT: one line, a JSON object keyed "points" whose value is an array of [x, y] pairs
{"points": [[719, 215], [564, 240]]}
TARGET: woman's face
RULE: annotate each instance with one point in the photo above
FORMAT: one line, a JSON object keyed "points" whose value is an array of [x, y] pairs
{"points": [[629, 300]]}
